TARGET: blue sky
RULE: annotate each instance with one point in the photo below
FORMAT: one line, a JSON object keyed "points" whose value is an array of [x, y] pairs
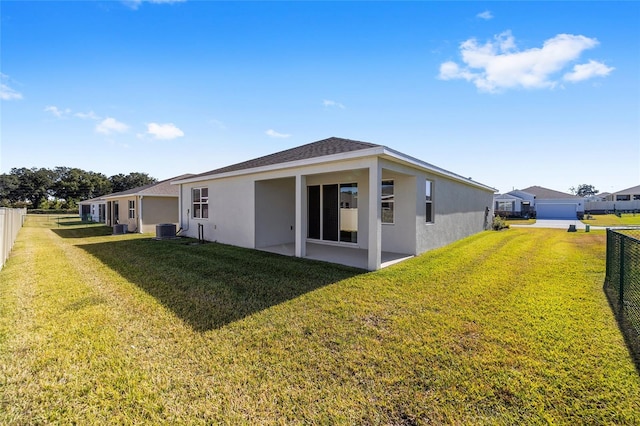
{"points": [[512, 94]]}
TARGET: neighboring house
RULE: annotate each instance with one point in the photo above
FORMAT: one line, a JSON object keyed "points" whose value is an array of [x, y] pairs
{"points": [[542, 202], [629, 194], [627, 200], [93, 210], [340, 200], [142, 208], [514, 204]]}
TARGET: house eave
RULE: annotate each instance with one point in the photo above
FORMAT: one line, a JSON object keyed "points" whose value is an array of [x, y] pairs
{"points": [[380, 151], [288, 165]]}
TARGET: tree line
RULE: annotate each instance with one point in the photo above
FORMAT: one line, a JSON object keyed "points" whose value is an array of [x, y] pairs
{"points": [[62, 187]]}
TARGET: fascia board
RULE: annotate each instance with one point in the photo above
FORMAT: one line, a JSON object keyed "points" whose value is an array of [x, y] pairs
{"points": [[361, 153], [398, 156]]}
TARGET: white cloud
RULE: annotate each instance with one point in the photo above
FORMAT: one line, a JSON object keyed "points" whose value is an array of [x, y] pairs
{"points": [[87, 116], [273, 134], [332, 104], [164, 131], [498, 65], [135, 4], [57, 112], [486, 15], [111, 125], [589, 70], [219, 124], [6, 92]]}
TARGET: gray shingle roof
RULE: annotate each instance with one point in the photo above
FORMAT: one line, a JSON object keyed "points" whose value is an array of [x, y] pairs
{"points": [[320, 148], [546, 193], [632, 190], [159, 189]]}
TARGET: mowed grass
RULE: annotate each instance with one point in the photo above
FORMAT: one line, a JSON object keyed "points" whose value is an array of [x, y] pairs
{"points": [[506, 327], [625, 219]]}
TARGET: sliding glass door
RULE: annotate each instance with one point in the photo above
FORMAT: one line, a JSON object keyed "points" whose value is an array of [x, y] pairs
{"points": [[333, 212]]}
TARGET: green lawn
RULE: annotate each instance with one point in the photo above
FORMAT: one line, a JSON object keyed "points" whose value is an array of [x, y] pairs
{"points": [[504, 327], [625, 219]]}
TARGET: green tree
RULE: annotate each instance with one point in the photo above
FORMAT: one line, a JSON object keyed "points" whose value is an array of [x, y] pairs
{"points": [[34, 185], [122, 182], [584, 190], [8, 190], [74, 185]]}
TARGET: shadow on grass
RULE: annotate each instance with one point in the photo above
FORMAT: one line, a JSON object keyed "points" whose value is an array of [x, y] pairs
{"points": [[91, 230], [631, 337], [211, 285]]}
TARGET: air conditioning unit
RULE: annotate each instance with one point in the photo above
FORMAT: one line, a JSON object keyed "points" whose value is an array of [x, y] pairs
{"points": [[165, 231], [120, 229]]}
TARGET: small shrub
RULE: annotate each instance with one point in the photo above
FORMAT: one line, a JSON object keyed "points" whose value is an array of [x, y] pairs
{"points": [[499, 223]]}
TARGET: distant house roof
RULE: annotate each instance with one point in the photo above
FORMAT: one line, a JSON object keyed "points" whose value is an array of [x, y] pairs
{"points": [[506, 196], [327, 147], [632, 190], [158, 189], [93, 200], [547, 194]]}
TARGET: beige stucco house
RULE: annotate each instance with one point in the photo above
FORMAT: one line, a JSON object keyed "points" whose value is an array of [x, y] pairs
{"points": [[93, 209], [142, 208], [338, 200]]}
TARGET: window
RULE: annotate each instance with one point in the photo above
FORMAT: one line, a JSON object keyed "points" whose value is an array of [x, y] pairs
{"points": [[504, 206], [387, 202], [349, 212], [132, 209], [429, 202], [332, 212], [200, 197]]}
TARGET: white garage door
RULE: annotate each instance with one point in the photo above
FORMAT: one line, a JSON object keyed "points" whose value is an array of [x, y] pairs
{"points": [[556, 211]]}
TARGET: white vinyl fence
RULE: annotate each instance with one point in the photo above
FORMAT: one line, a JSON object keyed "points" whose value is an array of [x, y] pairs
{"points": [[11, 221]]}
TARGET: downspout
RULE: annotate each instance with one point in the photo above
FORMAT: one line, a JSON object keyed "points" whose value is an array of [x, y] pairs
{"points": [[180, 215], [140, 214]]}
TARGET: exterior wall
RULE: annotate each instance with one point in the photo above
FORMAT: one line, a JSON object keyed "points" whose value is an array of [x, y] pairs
{"points": [[258, 210], [516, 203], [275, 202], [231, 211], [400, 237], [91, 211], [232, 202], [123, 213], [460, 211], [157, 210]]}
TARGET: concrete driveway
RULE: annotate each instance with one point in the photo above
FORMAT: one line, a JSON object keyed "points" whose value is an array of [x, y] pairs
{"points": [[557, 223]]}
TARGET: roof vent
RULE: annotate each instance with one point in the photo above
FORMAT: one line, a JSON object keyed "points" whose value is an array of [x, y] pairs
{"points": [[165, 231]]}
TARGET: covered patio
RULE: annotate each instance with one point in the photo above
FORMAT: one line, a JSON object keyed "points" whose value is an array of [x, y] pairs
{"points": [[350, 256]]}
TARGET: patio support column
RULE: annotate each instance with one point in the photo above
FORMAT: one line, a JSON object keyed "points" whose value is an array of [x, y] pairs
{"points": [[375, 221], [301, 223]]}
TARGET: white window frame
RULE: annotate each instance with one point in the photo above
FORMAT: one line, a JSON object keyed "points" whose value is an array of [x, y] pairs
{"points": [[202, 201], [392, 203], [132, 209], [429, 201]]}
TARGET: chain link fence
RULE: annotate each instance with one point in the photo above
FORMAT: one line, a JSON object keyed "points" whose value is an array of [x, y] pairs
{"points": [[623, 273]]}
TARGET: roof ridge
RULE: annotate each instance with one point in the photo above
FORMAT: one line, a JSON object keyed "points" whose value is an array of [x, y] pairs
{"points": [[328, 146]]}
